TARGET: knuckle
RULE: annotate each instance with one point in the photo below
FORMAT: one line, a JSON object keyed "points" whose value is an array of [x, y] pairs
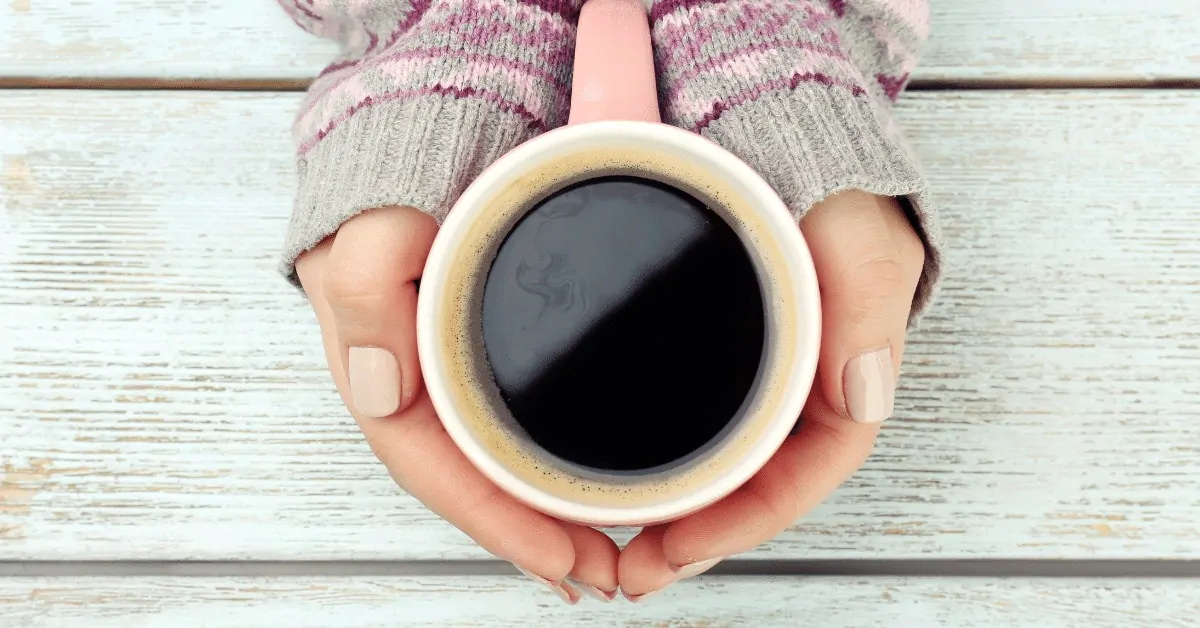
{"points": [[870, 287], [889, 254], [879, 273], [880, 276], [354, 290]]}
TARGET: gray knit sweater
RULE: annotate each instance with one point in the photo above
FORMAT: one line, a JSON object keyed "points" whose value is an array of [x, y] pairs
{"points": [[425, 95]]}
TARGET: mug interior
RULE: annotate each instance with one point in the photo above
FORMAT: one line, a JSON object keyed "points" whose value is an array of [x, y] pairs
{"points": [[450, 329]]}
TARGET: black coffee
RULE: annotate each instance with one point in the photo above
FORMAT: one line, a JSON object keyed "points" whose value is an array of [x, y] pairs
{"points": [[623, 324]]}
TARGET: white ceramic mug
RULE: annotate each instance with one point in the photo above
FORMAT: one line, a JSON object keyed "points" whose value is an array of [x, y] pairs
{"points": [[614, 131]]}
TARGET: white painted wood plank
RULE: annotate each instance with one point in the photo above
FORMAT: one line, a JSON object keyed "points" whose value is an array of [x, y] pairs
{"points": [[495, 601], [1063, 39], [163, 395], [1030, 39], [156, 39]]}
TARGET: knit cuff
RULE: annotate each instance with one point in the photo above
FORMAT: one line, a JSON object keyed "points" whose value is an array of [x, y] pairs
{"points": [[816, 140], [420, 152]]}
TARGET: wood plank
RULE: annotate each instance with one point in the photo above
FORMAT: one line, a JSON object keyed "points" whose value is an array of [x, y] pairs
{"points": [[163, 395], [484, 601], [157, 39], [1034, 40], [973, 39]]}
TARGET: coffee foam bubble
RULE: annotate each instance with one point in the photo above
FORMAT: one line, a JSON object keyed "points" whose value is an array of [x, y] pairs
{"points": [[474, 395]]}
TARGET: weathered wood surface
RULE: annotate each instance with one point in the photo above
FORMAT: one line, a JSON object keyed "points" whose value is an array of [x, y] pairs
{"points": [[495, 601], [235, 39], [162, 392]]}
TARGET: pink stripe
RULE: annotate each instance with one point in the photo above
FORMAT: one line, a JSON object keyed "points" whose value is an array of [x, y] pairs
{"points": [[419, 7], [551, 38], [530, 69], [340, 65], [736, 56], [754, 93], [371, 43], [684, 103], [683, 35], [560, 85], [663, 8], [404, 71], [306, 11], [914, 12], [892, 85], [566, 9], [692, 15], [457, 93], [474, 26]]}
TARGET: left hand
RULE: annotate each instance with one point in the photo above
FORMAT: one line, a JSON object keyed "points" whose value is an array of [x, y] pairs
{"points": [[868, 260]]}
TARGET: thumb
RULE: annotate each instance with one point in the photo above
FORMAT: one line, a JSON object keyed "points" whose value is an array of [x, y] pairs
{"points": [[370, 285], [868, 260], [614, 65]]}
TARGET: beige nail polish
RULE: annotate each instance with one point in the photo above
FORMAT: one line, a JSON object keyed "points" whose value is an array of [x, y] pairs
{"points": [[869, 383], [696, 568], [374, 381], [592, 591], [563, 590]]}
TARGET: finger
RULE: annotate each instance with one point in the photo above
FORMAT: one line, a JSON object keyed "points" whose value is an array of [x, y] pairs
{"points": [[424, 461], [642, 569], [595, 570], [868, 260], [823, 453], [369, 282]]}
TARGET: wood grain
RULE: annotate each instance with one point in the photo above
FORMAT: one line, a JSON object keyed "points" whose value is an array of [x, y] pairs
{"points": [[233, 39], [163, 394], [494, 601]]}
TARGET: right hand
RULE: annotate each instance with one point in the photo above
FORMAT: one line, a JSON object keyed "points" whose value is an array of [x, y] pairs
{"points": [[361, 282]]}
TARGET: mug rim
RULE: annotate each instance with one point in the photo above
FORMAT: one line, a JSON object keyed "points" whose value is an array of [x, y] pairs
{"points": [[532, 157]]}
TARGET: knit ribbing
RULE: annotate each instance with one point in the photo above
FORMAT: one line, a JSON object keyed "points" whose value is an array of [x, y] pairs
{"points": [[425, 95], [420, 151], [802, 92]]}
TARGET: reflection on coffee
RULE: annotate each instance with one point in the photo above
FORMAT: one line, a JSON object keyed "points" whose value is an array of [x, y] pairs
{"points": [[623, 323]]}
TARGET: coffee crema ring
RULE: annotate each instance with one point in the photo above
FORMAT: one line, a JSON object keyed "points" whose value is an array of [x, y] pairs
{"points": [[454, 356]]}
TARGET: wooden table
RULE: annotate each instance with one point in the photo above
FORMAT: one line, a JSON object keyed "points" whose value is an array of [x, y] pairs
{"points": [[172, 452]]}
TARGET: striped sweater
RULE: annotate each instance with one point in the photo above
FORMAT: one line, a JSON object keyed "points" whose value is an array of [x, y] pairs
{"points": [[428, 93]]}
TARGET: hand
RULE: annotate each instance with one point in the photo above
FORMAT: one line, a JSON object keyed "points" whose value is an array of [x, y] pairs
{"points": [[361, 283], [868, 261]]}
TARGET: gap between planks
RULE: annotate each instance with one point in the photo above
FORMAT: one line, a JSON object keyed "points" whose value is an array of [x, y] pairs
{"points": [[933, 568], [299, 85]]}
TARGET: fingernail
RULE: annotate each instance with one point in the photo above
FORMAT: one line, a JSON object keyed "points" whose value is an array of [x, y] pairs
{"points": [[374, 381], [869, 382], [594, 592], [694, 569], [641, 598], [561, 589]]}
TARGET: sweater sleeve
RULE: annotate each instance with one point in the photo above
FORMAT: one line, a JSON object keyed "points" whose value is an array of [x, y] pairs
{"points": [[802, 90], [422, 98]]}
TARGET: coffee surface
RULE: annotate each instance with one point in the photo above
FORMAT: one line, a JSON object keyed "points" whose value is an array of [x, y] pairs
{"points": [[623, 324]]}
